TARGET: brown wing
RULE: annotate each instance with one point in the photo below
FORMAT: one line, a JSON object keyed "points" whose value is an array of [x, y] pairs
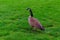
{"points": [[34, 22]]}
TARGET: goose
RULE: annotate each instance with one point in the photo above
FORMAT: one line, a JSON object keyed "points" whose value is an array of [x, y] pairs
{"points": [[33, 22]]}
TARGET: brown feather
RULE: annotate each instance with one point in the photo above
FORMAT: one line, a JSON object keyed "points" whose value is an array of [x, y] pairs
{"points": [[34, 22]]}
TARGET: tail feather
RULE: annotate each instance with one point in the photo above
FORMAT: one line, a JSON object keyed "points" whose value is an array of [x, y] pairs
{"points": [[41, 27]]}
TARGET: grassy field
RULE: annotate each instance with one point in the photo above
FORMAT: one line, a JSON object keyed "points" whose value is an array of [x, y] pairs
{"points": [[14, 19]]}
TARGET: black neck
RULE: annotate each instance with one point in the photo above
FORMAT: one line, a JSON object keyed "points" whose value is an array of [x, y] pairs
{"points": [[31, 13]]}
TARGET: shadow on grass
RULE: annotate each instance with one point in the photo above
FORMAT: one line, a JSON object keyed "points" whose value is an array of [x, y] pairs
{"points": [[4, 34], [27, 30]]}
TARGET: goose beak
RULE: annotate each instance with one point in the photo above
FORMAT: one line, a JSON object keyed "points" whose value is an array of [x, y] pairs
{"points": [[27, 8]]}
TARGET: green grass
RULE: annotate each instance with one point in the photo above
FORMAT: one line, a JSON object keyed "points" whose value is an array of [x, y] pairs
{"points": [[14, 19]]}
